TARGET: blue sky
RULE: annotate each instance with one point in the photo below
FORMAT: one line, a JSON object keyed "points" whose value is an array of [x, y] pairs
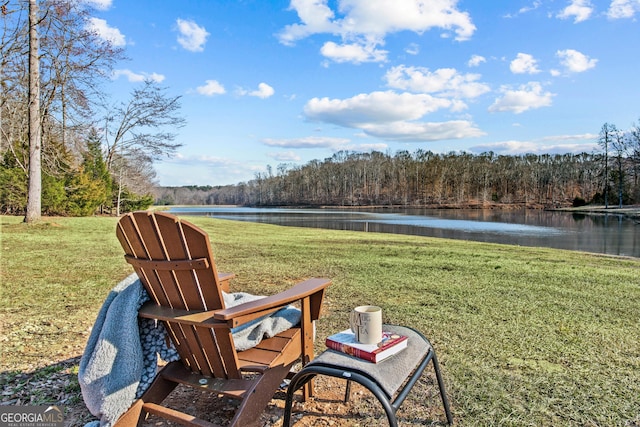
{"points": [[285, 82]]}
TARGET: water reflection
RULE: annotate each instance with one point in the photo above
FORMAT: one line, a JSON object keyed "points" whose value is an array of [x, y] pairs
{"points": [[609, 234]]}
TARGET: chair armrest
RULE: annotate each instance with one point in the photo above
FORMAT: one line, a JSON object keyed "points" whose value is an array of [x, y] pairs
{"points": [[226, 276], [194, 318], [242, 313], [236, 316], [224, 280]]}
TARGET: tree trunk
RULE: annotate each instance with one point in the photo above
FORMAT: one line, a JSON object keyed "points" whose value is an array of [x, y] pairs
{"points": [[34, 197]]}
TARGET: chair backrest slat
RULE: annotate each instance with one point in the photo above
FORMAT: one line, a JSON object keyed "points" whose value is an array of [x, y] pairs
{"points": [[198, 245], [180, 342], [175, 248], [228, 352], [151, 242], [154, 243], [209, 346], [133, 245], [198, 350]]}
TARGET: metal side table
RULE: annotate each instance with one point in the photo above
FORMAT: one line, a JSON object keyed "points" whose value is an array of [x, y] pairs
{"points": [[390, 381]]}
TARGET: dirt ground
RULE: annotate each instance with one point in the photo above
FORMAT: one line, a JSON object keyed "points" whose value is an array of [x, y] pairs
{"points": [[57, 384], [326, 408]]}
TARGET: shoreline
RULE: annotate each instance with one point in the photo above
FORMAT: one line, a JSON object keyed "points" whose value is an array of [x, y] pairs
{"points": [[631, 211]]}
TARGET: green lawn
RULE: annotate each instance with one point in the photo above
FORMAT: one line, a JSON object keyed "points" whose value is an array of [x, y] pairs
{"points": [[525, 336]]}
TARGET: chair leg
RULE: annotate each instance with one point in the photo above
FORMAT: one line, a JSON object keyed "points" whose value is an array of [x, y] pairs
{"points": [[308, 336], [307, 391], [298, 381], [130, 418], [157, 391], [443, 393], [257, 397], [347, 391]]}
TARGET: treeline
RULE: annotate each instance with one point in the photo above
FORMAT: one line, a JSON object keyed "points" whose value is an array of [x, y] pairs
{"points": [[94, 154], [73, 188], [424, 178]]}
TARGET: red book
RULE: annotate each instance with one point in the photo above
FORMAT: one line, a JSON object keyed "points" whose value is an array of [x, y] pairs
{"points": [[346, 342]]}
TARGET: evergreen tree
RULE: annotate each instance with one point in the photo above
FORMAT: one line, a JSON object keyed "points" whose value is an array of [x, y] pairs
{"points": [[95, 167]]}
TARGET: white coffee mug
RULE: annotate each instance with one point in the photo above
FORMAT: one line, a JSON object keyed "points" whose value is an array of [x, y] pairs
{"points": [[366, 323]]}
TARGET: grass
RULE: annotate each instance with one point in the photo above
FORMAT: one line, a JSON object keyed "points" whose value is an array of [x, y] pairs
{"points": [[525, 336]]}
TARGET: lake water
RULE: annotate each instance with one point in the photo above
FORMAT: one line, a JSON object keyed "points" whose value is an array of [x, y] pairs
{"points": [[607, 234]]}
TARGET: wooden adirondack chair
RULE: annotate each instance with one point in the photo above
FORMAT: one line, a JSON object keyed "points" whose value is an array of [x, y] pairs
{"points": [[174, 261]]}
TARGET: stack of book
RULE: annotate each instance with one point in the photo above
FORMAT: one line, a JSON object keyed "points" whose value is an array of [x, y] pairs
{"points": [[346, 342]]}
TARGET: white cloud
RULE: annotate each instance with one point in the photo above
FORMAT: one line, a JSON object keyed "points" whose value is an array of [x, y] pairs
{"points": [[623, 9], [548, 145], [138, 77], [476, 60], [445, 81], [308, 142], [105, 32], [578, 137], [375, 107], [536, 4], [192, 37], [314, 142], [315, 16], [211, 88], [524, 63], [99, 4], [159, 78], [412, 49], [365, 23], [423, 131], [581, 10], [380, 146], [391, 116], [574, 61], [263, 91], [524, 98], [285, 156], [353, 52]]}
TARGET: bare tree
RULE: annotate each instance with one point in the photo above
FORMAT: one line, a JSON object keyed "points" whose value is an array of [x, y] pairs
{"points": [[634, 148], [605, 140], [74, 61], [11, 47], [34, 196], [133, 173], [619, 145], [143, 125]]}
